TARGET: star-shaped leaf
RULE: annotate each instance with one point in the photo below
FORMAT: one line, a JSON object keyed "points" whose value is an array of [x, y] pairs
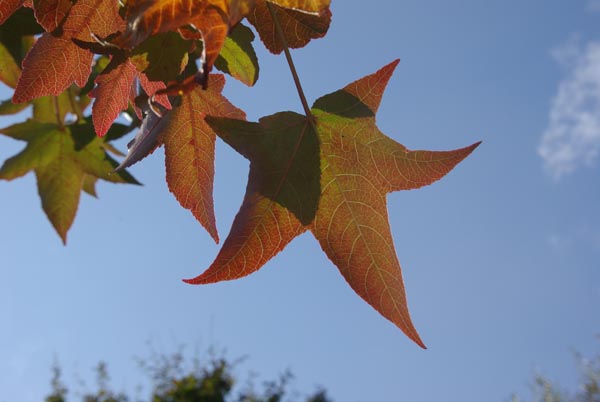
{"points": [[330, 176], [64, 160]]}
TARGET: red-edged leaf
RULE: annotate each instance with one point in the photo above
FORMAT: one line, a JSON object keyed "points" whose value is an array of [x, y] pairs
{"points": [[50, 13], [7, 8], [330, 176], [113, 92], [190, 150], [50, 67]]}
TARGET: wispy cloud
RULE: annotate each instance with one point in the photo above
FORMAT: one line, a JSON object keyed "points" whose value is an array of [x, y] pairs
{"points": [[593, 5], [572, 138]]}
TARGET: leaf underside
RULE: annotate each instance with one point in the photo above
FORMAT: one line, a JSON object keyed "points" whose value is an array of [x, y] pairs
{"points": [[330, 177]]}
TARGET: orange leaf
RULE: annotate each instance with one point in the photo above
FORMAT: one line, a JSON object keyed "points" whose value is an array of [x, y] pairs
{"points": [[330, 176], [50, 67], [311, 6], [113, 91], [211, 18], [98, 17], [50, 13], [7, 8], [298, 27], [190, 149]]}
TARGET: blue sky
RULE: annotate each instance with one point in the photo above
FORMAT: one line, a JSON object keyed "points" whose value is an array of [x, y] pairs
{"points": [[500, 259]]}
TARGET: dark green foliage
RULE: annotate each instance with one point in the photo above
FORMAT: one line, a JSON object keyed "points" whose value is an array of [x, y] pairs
{"points": [[174, 381]]}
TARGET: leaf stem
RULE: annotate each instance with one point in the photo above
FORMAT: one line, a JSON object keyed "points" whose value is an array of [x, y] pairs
{"points": [[290, 62]]}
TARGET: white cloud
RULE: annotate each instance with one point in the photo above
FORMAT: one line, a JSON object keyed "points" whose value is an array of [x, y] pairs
{"points": [[572, 138]]}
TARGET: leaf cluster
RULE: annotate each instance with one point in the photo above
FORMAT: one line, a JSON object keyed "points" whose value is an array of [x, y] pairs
{"points": [[327, 171]]}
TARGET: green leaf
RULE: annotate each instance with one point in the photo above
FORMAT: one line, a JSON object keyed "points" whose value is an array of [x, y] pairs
{"points": [[162, 57], [237, 57], [40, 151], [9, 70], [7, 107], [66, 160]]}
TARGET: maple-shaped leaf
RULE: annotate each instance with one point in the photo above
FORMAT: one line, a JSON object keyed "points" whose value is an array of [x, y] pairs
{"points": [[330, 176], [62, 159], [50, 13], [190, 149], [298, 27], [212, 19], [237, 57], [8, 7]]}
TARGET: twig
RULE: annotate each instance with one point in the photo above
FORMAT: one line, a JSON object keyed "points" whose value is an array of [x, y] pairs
{"points": [[290, 62]]}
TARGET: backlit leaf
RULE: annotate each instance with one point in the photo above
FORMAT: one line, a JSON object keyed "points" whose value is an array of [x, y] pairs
{"points": [[98, 17], [113, 91], [237, 57], [211, 18], [9, 70], [8, 7], [314, 6], [50, 13], [190, 149], [162, 57], [50, 67], [63, 158], [298, 27], [331, 177]]}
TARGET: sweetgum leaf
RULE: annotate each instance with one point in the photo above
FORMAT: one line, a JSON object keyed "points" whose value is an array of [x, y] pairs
{"points": [[190, 149], [62, 159], [237, 57], [299, 27], [113, 91], [162, 57], [8, 107], [97, 17], [9, 70], [89, 185], [50, 67], [17, 33], [8, 7], [314, 6], [48, 108], [55, 62], [330, 176], [211, 18], [50, 13]]}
